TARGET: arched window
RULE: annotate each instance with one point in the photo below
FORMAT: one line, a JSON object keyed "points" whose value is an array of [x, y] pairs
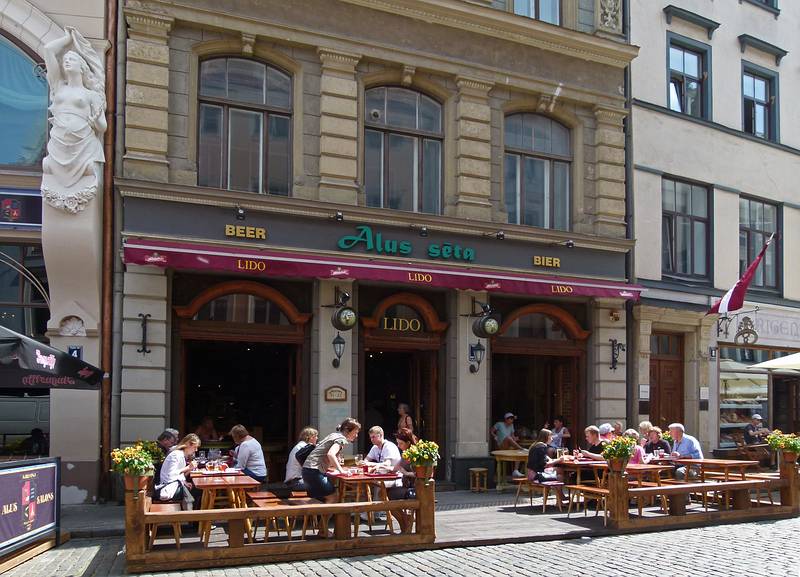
{"points": [[244, 126], [537, 171], [23, 109], [242, 308], [403, 144], [536, 326]]}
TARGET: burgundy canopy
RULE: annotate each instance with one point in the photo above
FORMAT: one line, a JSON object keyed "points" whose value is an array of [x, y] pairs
{"points": [[269, 262]]}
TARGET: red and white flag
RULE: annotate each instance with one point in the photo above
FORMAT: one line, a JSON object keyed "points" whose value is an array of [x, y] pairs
{"points": [[733, 300]]}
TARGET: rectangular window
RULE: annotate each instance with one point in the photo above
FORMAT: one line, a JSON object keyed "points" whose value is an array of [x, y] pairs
{"points": [[545, 10], [757, 221], [759, 99], [688, 79], [685, 229]]}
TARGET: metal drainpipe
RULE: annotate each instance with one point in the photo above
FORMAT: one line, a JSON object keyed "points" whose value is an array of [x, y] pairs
{"points": [[630, 272], [116, 372]]}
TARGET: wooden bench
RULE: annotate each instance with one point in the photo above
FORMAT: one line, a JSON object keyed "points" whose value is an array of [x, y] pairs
{"points": [[541, 487], [677, 494], [138, 517], [598, 494], [153, 527]]}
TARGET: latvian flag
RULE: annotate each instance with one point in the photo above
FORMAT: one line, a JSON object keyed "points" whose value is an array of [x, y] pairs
{"points": [[733, 300]]}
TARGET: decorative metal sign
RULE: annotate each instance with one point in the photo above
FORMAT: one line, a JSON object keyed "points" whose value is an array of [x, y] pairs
{"points": [[746, 332], [335, 394]]}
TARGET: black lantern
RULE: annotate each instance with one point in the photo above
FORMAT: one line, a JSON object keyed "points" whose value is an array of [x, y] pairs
{"points": [[338, 349], [476, 352], [485, 326]]}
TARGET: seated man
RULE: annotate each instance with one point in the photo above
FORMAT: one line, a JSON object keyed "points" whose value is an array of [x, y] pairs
{"points": [[503, 433], [165, 441], [594, 444], [684, 447], [755, 432], [384, 456], [294, 468]]}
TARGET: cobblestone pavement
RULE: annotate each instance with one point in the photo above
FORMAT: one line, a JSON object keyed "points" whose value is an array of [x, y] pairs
{"points": [[766, 548]]}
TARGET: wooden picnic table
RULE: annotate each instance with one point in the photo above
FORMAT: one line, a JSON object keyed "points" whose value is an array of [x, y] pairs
{"points": [[639, 472], [235, 486], [362, 482], [579, 465], [504, 456]]}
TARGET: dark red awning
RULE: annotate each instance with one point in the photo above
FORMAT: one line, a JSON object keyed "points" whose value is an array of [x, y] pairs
{"points": [[269, 262]]}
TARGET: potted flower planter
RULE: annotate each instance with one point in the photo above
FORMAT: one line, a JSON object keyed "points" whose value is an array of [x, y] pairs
{"points": [[136, 482], [424, 471], [617, 464]]}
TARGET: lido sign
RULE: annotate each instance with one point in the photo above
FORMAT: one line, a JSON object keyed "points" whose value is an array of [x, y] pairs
{"points": [[375, 242]]}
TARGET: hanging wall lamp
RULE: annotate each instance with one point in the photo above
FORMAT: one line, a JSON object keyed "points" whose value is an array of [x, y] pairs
{"points": [[476, 354], [338, 349]]}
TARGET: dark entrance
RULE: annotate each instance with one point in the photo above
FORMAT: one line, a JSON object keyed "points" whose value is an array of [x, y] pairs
{"points": [[240, 382], [535, 387], [394, 377], [785, 403], [537, 363]]}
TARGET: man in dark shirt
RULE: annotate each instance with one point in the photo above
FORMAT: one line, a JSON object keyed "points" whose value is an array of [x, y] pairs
{"points": [[595, 444], [755, 432]]}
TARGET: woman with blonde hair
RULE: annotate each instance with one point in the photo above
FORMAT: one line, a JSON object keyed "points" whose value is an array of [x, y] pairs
{"points": [[294, 468], [174, 484]]}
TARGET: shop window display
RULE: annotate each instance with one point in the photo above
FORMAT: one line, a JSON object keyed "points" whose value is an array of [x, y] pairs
{"points": [[742, 392]]}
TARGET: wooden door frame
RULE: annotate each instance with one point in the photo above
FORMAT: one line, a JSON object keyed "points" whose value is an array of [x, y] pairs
{"points": [[575, 347], [371, 337], [192, 330], [678, 358]]}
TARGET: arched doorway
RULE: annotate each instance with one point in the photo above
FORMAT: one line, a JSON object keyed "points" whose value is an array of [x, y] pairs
{"points": [[400, 364], [241, 362], [538, 367]]}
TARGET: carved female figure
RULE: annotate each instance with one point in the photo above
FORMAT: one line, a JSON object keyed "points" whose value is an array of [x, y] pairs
{"points": [[77, 94]]}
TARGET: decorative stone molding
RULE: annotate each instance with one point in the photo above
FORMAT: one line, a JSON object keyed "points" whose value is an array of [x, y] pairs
{"points": [[72, 327], [476, 86], [148, 24], [338, 60], [248, 41], [69, 202], [407, 77], [608, 115], [24, 21], [609, 16]]}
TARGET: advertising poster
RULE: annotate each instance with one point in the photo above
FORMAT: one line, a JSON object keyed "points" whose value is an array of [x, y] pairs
{"points": [[28, 503]]}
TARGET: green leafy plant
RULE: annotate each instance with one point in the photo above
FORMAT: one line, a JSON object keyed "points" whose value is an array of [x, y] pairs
{"points": [[788, 443], [665, 436], [152, 447], [422, 454], [619, 448], [133, 460]]}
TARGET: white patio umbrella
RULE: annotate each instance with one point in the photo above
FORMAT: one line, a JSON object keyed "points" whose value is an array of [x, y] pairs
{"points": [[789, 362]]}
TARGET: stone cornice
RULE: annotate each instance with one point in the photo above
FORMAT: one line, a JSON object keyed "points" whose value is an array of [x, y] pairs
{"points": [[474, 85], [504, 25], [146, 23], [324, 210], [338, 60], [262, 27], [609, 115]]}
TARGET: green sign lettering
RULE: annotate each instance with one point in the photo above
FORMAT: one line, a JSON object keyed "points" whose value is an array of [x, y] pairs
{"points": [[371, 241]]}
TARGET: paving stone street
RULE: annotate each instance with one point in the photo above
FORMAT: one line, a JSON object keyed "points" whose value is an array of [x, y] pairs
{"points": [[764, 549]]}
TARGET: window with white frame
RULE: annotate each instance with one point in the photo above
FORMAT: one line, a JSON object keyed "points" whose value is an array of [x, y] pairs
{"points": [[537, 165], [403, 140]]}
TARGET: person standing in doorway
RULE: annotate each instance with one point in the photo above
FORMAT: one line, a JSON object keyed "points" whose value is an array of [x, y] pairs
{"points": [[405, 421]]}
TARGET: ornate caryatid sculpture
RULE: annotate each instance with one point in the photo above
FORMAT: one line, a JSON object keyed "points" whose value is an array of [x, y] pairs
{"points": [[77, 108]]}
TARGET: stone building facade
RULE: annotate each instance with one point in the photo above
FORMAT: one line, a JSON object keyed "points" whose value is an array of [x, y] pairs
{"points": [[329, 204], [712, 119]]}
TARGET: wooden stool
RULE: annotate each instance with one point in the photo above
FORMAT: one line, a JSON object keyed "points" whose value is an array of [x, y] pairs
{"points": [[543, 487], [478, 479], [176, 527]]}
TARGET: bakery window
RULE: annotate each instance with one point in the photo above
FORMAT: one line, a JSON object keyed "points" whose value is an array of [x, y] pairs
{"points": [[743, 392]]}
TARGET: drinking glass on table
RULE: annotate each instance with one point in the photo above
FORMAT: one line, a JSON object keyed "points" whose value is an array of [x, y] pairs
{"points": [[359, 459]]}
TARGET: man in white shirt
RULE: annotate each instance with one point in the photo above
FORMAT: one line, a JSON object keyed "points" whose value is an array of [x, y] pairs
{"points": [[385, 455]]}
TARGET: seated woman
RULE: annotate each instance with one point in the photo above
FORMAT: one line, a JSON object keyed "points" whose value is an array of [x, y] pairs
{"points": [[248, 456], [324, 457], [539, 463], [294, 468], [655, 442], [638, 457], [206, 430], [405, 438], [173, 484]]}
